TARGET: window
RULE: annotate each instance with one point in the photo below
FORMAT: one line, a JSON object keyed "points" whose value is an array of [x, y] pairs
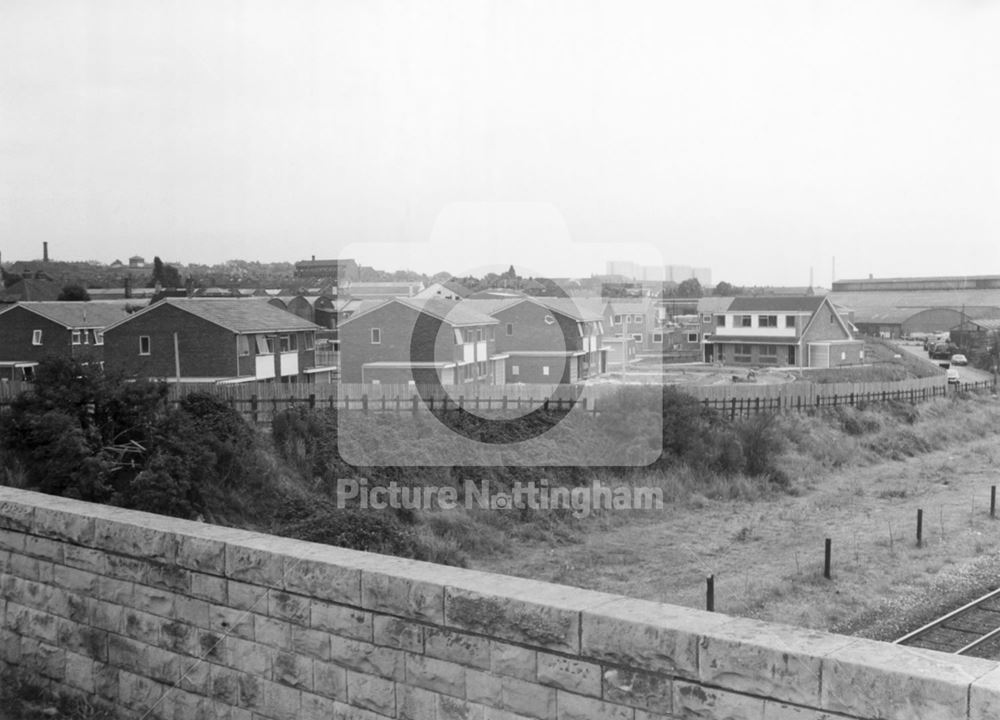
{"points": [[832, 318], [98, 337], [310, 341], [692, 337], [657, 337], [76, 337], [706, 318], [36, 337], [491, 333], [720, 321], [843, 355], [616, 320], [376, 336], [458, 336], [637, 337], [288, 343], [789, 321], [86, 337], [515, 369], [545, 369], [510, 329], [745, 320], [144, 344], [265, 345], [769, 353], [767, 321], [242, 345], [742, 353], [479, 334]]}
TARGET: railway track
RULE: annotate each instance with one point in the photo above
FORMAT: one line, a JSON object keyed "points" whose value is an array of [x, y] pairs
{"points": [[973, 629]]}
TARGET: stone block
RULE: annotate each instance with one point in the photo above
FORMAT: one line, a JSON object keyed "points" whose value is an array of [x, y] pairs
{"points": [[32, 623], [243, 596], [79, 672], [75, 580], [483, 687], [316, 707], [638, 689], [648, 635], [135, 538], [292, 669], [286, 606], [468, 650], [224, 685], [139, 693], [398, 633], [767, 659], [578, 707], [329, 680], [12, 540], [528, 698], [44, 548], [281, 702], [696, 702], [226, 621], [310, 643], [576, 676], [341, 620], [409, 597], [249, 657], [16, 515], [141, 626], [450, 708], [774, 710], [154, 601], [413, 703], [272, 632], [65, 525], [105, 615], [371, 692], [168, 577], [192, 610], [256, 565], [119, 592], [367, 658], [209, 588], [513, 660], [316, 576], [43, 658], [437, 675], [84, 558], [984, 697], [126, 653], [122, 567], [894, 682], [84, 640]]}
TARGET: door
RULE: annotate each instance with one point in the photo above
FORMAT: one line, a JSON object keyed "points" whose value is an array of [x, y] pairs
{"points": [[791, 354]]}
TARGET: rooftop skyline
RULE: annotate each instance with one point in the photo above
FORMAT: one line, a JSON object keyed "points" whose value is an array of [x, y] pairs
{"points": [[760, 140]]}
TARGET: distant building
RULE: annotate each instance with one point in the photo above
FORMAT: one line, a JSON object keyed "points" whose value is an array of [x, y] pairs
{"points": [[338, 271], [137, 261]]}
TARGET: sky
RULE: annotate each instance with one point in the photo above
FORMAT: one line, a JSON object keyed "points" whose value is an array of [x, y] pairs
{"points": [[759, 139]]}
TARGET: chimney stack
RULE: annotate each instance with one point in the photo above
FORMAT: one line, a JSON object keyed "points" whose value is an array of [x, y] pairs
{"points": [[45, 251]]}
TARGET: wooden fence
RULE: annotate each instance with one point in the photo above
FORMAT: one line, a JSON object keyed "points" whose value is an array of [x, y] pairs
{"points": [[260, 402]]}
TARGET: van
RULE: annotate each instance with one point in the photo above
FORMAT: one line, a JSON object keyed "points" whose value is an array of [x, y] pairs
{"points": [[953, 378]]}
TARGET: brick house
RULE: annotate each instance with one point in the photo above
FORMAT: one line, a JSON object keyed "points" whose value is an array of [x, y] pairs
{"points": [[214, 340], [31, 331], [377, 344], [547, 339], [803, 331]]}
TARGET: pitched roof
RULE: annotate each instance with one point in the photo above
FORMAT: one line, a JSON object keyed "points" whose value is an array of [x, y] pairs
{"points": [[241, 315], [777, 303], [75, 315], [453, 312], [570, 308]]}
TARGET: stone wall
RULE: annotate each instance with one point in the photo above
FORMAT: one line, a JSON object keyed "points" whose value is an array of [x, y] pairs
{"points": [[176, 619]]}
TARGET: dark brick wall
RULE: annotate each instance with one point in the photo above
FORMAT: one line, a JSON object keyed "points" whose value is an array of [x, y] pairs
{"points": [[17, 326], [206, 350]]}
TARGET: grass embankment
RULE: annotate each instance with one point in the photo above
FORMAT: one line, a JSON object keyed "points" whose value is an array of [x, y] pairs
{"points": [[857, 477]]}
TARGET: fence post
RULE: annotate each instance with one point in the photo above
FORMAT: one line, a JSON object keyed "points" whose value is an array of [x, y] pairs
{"points": [[756, 405], [826, 559], [504, 405], [732, 410], [920, 527], [253, 408], [461, 401], [583, 400], [993, 501], [312, 401], [364, 402], [710, 593], [415, 404]]}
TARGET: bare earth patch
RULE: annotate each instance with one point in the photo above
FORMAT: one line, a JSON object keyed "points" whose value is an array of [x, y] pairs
{"points": [[767, 555]]}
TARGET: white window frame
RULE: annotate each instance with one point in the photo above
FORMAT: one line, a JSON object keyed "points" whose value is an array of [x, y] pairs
{"points": [[75, 337], [376, 336], [545, 370], [36, 337], [98, 337], [692, 337], [657, 337], [637, 337], [515, 369], [148, 343]]}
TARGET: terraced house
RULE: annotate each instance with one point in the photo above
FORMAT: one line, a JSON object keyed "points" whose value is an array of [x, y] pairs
{"points": [[792, 331], [31, 331], [215, 340]]}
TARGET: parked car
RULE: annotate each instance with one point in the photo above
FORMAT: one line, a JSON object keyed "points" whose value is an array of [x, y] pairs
{"points": [[959, 359], [953, 378], [942, 351]]}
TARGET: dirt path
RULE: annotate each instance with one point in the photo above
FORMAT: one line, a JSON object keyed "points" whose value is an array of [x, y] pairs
{"points": [[767, 555]]}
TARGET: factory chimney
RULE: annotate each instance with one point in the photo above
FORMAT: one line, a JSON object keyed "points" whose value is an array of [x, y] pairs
{"points": [[45, 251]]}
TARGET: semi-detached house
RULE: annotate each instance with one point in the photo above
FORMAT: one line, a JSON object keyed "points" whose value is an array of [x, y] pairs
{"points": [[406, 340], [214, 340], [32, 331], [792, 331]]}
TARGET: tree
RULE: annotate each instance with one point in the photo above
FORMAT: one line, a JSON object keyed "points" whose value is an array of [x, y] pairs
{"points": [[724, 289], [166, 275], [690, 288], [74, 293]]}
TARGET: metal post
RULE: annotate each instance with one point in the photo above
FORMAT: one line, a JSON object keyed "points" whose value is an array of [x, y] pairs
{"points": [[920, 528], [826, 560], [710, 593]]}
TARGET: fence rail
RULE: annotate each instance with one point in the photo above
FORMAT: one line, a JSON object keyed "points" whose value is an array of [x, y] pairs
{"points": [[260, 402]]}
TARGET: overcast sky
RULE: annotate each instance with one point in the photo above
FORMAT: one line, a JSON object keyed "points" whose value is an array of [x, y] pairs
{"points": [[758, 139]]}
